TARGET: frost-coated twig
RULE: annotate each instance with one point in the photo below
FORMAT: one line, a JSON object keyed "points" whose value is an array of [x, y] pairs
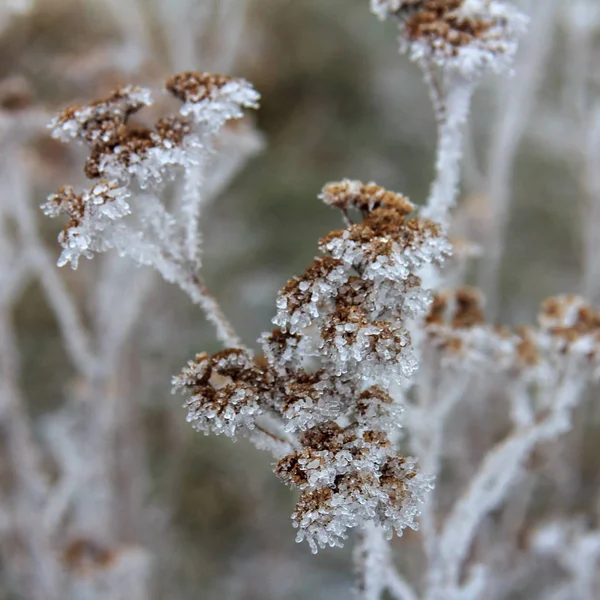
{"points": [[453, 113], [492, 483], [426, 423], [375, 571], [191, 203], [435, 87], [198, 291], [30, 486], [65, 309]]}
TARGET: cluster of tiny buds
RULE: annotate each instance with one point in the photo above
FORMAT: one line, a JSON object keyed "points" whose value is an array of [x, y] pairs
{"points": [[121, 149], [468, 35], [342, 338], [568, 332], [348, 476]]}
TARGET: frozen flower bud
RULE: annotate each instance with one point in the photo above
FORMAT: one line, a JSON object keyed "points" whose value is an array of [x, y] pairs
{"points": [[347, 481], [90, 213], [573, 326], [212, 99], [386, 245], [102, 120], [457, 330], [468, 36], [349, 194], [227, 391]]}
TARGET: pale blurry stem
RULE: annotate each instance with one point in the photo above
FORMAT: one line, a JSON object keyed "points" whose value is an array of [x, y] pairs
{"points": [[232, 19], [452, 103], [494, 480], [398, 587], [113, 328], [200, 294], [180, 34], [426, 424], [436, 91], [129, 17], [185, 274], [515, 109], [75, 335], [591, 213], [30, 485], [375, 570], [474, 180]]}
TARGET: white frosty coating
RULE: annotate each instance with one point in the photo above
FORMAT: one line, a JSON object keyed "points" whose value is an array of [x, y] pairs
{"points": [[385, 8], [322, 402], [158, 164], [224, 103], [373, 356], [223, 410], [399, 265], [322, 296], [352, 506], [104, 204], [494, 49], [74, 128], [241, 412]]}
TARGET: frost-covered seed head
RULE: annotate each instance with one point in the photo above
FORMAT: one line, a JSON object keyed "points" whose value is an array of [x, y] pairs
{"points": [[468, 36]]}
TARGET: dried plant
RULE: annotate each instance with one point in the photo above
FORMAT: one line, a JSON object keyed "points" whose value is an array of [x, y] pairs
{"points": [[386, 398]]}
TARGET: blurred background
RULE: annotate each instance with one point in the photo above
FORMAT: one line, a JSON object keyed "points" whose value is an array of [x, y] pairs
{"points": [[337, 101]]}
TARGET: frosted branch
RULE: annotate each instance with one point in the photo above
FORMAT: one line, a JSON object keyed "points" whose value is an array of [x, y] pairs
{"points": [[498, 471], [375, 571], [453, 115], [65, 309]]}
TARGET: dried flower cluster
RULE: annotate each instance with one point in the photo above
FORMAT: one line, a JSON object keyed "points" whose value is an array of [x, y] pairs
{"points": [[125, 155], [466, 35], [342, 339], [568, 335]]}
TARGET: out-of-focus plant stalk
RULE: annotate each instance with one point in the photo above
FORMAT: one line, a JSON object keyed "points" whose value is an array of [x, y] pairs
{"points": [[515, 109]]}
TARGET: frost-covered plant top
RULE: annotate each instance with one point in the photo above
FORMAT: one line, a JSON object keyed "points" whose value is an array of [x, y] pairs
{"points": [[342, 340], [127, 156], [468, 35]]}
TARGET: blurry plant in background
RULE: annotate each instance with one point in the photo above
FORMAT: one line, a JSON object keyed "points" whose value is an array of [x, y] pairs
{"points": [[384, 395]]}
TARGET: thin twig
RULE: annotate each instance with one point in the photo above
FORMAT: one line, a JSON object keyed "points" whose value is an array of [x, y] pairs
{"points": [[201, 295], [71, 327]]}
